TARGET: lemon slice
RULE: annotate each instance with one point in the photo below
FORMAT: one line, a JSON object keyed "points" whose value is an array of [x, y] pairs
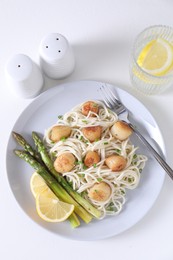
{"points": [[37, 184], [156, 57], [50, 208]]}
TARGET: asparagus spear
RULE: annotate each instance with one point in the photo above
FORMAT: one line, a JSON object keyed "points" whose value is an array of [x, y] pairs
{"points": [[74, 221], [22, 142], [48, 162], [81, 212], [59, 191]]}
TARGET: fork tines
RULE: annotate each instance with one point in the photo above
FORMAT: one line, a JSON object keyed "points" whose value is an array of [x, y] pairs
{"points": [[109, 97]]}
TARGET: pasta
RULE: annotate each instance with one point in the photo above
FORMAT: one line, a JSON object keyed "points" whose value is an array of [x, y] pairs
{"points": [[84, 178]]}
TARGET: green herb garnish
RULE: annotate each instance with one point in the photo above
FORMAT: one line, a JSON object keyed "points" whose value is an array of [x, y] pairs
{"points": [[111, 207], [94, 165], [85, 121], [78, 162], [63, 139], [134, 156]]}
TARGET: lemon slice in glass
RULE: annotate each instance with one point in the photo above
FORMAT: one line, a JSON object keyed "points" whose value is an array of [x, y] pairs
{"points": [[51, 209], [156, 57]]}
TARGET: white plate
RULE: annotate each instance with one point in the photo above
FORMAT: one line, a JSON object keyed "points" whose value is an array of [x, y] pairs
{"points": [[41, 114]]}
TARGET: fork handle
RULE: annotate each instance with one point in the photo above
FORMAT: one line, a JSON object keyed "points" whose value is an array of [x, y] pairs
{"points": [[160, 160]]}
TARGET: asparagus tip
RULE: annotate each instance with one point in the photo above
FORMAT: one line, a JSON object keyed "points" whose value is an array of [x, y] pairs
{"points": [[17, 152], [14, 134], [17, 136]]}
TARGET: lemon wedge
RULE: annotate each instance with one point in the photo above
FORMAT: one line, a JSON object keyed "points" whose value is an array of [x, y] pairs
{"points": [[37, 184], [156, 57], [48, 206]]}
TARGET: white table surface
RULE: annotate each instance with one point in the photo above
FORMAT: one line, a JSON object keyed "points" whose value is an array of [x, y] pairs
{"points": [[102, 33]]}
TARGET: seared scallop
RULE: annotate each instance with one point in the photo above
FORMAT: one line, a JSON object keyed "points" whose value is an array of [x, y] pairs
{"points": [[100, 191], [92, 133], [90, 106], [121, 130], [116, 162], [64, 162], [58, 132], [91, 158]]}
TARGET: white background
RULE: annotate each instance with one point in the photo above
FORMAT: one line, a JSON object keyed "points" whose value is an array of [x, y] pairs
{"points": [[102, 34]]}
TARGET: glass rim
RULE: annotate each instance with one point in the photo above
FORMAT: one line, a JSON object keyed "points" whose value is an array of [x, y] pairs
{"points": [[134, 60]]}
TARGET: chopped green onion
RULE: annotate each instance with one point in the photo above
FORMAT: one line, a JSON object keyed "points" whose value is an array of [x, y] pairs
{"points": [[94, 165], [129, 180], [78, 162], [99, 179], [111, 207], [60, 117], [105, 142], [134, 156], [85, 167], [85, 121], [63, 139], [134, 163]]}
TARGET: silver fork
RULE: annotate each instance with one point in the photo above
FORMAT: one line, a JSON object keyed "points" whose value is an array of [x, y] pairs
{"points": [[112, 102]]}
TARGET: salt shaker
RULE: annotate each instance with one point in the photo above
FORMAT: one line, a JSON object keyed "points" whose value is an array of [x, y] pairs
{"points": [[56, 56], [23, 76]]}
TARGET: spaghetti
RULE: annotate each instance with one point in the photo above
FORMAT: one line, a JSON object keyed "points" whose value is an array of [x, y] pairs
{"points": [[83, 178]]}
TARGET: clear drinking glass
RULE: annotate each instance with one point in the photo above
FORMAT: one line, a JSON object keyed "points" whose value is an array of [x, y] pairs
{"points": [[142, 80]]}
